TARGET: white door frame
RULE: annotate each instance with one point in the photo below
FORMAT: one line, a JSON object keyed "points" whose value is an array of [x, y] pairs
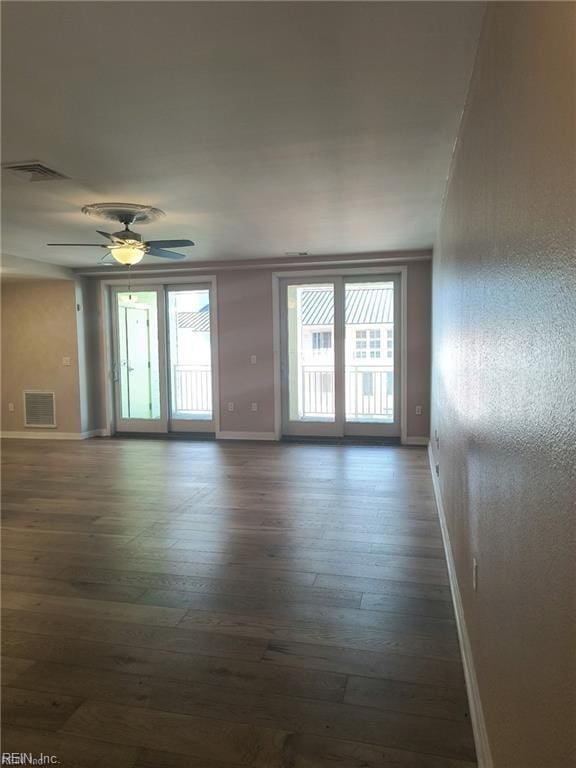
{"points": [[107, 350], [304, 275], [139, 425], [192, 425], [319, 428]]}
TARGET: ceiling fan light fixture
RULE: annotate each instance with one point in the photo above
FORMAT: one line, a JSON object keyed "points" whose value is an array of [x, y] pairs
{"points": [[128, 254]]}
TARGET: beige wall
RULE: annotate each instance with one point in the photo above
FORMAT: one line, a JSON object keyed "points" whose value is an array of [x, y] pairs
{"points": [[62, 318], [418, 348], [38, 330], [245, 328], [504, 378], [245, 318]]}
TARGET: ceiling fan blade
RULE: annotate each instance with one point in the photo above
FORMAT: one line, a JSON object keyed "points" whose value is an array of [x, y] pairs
{"points": [[109, 236], [169, 243], [165, 254], [79, 245]]}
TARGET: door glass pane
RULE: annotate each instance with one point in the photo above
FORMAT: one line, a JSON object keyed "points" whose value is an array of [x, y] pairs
{"points": [[369, 354], [311, 352], [138, 359], [190, 354]]}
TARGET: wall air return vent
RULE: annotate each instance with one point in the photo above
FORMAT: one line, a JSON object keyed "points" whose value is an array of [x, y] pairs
{"points": [[39, 409], [34, 170]]}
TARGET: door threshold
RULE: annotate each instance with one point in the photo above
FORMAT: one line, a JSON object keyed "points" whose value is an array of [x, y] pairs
{"points": [[189, 436], [346, 440]]}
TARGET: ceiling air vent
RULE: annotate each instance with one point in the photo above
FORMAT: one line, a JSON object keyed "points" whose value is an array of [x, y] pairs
{"points": [[35, 170], [39, 409]]}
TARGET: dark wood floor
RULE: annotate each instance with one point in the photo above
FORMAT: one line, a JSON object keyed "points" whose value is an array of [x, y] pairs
{"points": [[208, 605]]}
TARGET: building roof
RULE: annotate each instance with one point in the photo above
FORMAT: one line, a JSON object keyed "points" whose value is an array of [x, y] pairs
{"points": [[196, 321], [363, 306]]}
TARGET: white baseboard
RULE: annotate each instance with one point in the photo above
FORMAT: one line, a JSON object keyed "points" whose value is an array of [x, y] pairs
{"points": [[483, 754], [47, 434], [246, 436], [415, 441]]}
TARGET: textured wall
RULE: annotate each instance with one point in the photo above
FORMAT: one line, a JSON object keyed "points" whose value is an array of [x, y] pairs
{"points": [[504, 375], [418, 351], [38, 330], [245, 329]]}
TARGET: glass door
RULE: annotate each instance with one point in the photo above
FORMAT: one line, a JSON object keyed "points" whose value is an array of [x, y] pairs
{"points": [[189, 313], [138, 360], [340, 356], [310, 359], [372, 356]]}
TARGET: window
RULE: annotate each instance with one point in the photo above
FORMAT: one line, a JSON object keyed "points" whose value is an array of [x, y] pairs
{"points": [[368, 384], [321, 340], [389, 343], [374, 343], [368, 344], [361, 343]]}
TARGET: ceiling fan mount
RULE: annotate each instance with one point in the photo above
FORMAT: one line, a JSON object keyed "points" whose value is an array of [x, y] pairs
{"points": [[127, 246], [125, 213]]}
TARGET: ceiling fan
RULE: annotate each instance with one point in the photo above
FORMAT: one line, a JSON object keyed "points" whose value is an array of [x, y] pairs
{"points": [[126, 246]]}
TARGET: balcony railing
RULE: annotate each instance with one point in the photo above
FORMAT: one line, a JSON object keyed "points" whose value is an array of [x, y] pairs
{"points": [[369, 392], [192, 388]]}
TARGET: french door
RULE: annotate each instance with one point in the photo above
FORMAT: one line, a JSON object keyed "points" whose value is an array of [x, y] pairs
{"points": [[340, 356], [163, 358]]}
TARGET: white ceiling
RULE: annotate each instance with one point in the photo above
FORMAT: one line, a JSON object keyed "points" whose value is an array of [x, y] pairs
{"points": [[259, 128]]}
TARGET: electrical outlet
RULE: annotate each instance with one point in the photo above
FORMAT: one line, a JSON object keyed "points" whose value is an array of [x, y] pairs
{"points": [[254, 406], [230, 407], [11, 407], [252, 361], [418, 410], [475, 575]]}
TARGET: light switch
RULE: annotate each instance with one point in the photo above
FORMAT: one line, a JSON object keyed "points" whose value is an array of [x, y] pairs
{"points": [[11, 407], [66, 361], [254, 406], [252, 359]]}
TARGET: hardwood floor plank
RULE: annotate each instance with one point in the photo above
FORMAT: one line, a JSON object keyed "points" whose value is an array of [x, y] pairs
{"points": [[36, 709], [142, 568], [151, 758], [70, 751], [310, 631], [416, 699], [75, 606], [349, 661], [283, 603], [186, 667], [217, 605], [196, 736], [58, 587], [13, 667], [213, 585], [394, 729], [177, 639], [387, 587], [306, 751], [440, 609]]}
